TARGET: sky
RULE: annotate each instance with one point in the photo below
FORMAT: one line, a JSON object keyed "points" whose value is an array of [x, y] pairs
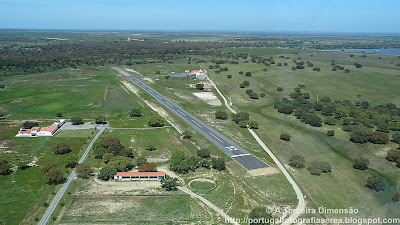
{"points": [[379, 16]]}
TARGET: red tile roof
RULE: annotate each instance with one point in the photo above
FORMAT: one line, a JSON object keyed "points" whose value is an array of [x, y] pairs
{"points": [[25, 131], [49, 129], [140, 174]]}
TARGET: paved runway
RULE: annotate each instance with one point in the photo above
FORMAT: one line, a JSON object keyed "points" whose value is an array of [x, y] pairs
{"points": [[240, 155]]}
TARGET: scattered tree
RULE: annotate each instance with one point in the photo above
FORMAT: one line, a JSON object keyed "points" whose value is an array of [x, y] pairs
{"points": [[4, 167], [330, 133], [285, 137], [203, 153], [84, 170], [375, 183], [76, 121], [121, 163], [136, 112], [260, 214], [200, 86], [156, 121], [279, 89], [147, 167], [187, 135], [29, 124], [107, 173], [100, 119], [170, 184], [54, 176], [218, 163], [319, 167], [297, 161], [61, 149], [71, 161], [59, 114], [221, 115], [361, 163], [253, 125]]}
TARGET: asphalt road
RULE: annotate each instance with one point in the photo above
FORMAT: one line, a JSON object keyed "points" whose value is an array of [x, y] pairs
{"points": [[243, 157], [70, 178]]}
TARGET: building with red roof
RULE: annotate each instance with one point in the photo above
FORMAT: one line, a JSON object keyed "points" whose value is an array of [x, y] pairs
{"points": [[158, 176]]}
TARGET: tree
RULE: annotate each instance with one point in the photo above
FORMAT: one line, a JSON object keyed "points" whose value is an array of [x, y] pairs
{"points": [[107, 157], [59, 114], [170, 184], [365, 104], [29, 124], [318, 106], [76, 121], [330, 133], [328, 110], [4, 167], [84, 170], [375, 183], [260, 215], [330, 121], [253, 125], [140, 161], [229, 76], [306, 95], [156, 121], [147, 167], [347, 71], [248, 74], [100, 119], [61, 149], [200, 86], [319, 167], [396, 196], [253, 95], [221, 115], [279, 89], [241, 116], [54, 176], [377, 137], [218, 163], [297, 161], [121, 163], [243, 123], [325, 99], [249, 91], [203, 153], [359, 136], [71, 161], [285, 137], [361, 163], [135, 112], [107, 173], [187, 134], [396, 137], [393, 155], [285, 109]]}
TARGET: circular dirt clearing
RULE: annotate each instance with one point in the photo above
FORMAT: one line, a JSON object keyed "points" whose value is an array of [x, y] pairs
{"points": [[202, 184]]}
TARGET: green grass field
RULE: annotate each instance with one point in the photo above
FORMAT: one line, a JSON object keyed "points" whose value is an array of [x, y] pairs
{"points": [[86, 209]]}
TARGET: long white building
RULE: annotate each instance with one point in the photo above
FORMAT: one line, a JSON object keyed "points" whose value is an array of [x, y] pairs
{"points": [[41, 131]]}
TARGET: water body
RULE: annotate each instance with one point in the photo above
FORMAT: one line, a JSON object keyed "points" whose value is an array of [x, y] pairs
{"points": [[380, 51]]}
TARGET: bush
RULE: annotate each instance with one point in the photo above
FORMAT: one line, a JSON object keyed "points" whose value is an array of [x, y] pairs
{"points": [[4, 167], [121, 163], [317, 69], [136, 112], [229, 76], [243, 123], [76, 121], [359, 136], [396, 137], [253, 95], [54, 176], [330, 133], [71, 161], [319, 167], [361, 163], [241, 116], [29, 124], [330, 121], [156, 121], [200, 86], [61, 149], [285, 109], [279, 89], [100, 119], [297, 161], [375, 183], [285, 137], [147, 167], [218, 164], [377, 137], [203, 153], [84, 170], [325, 99], [187, 135], [393, 155], [253, 125], [248, 74], [170, 184], [59, 114], [221, 115]]}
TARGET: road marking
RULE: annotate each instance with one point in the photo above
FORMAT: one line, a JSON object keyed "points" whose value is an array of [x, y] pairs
{"points": [[150, 90], [196, 123], [183, 114], [215, 137], [231, 148], [169, 104], [158, 96], [240, 155]]}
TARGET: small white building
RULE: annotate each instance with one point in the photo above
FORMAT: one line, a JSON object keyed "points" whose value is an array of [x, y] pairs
{"points": [[41, 131], [200, 74], [156, 176]]}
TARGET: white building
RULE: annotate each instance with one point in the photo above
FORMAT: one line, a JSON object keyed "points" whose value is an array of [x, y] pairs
{"points": [[41, 131], [157, 176]]}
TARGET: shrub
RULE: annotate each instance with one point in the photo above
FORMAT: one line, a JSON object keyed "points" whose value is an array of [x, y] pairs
{"points": [[59, 114], [218, 164], [361, 163], [319, 167], [279, 89], [248, 74], [221, 115], [136, 112], [76, 121], [375, 183], [330, 133], [229, 76], [285, 137], [297, 161], [253, 95], [203, 153], [61, 149], [156, 121]]}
